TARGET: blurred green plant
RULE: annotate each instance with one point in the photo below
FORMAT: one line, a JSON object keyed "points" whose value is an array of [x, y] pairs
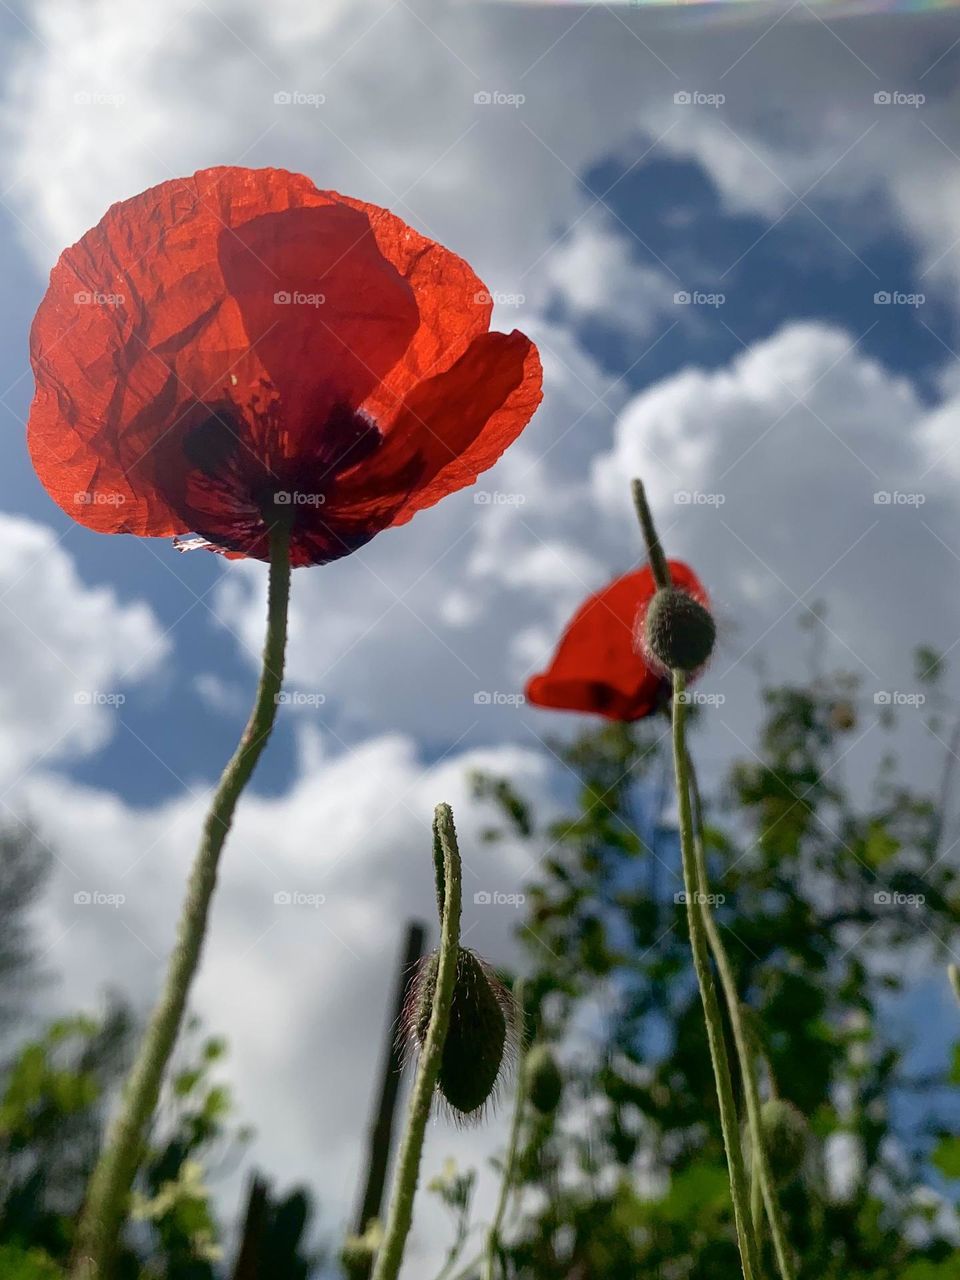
{"points": [[52, 1095], [830, 897]]}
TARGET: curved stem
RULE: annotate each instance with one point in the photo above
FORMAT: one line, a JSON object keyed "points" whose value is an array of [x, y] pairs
{"points": [[400, 1215], [701, 962], [116, 1168], [762, 1183], [493, 1239]]}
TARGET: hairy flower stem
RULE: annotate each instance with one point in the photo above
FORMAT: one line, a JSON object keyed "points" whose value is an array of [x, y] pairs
{"points": [[407, 1173], [113, 1176], [696, 910], [762, 1182], [510, 1161], [749, 1253]]}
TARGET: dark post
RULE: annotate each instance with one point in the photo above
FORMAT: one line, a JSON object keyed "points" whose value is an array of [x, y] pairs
{"points": [[381, 1130], [247, 1266]]}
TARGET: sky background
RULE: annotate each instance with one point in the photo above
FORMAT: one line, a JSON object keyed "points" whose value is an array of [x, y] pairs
{"points": [[697, 213]]}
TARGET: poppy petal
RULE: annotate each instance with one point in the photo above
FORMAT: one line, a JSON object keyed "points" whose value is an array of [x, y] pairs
{"points": [[328, 315], [450, 429], [596, 667]]}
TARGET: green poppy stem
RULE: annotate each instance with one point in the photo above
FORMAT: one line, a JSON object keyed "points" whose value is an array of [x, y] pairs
{"points": [[749, 1254], [658, 561], [400, 1215], [109, 1189], [763, 1188]]}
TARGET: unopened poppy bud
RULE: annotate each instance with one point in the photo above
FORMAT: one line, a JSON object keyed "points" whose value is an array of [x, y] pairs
{"points": [[542, 1079], [784, 1136], [677, 632], [481, 1034]]}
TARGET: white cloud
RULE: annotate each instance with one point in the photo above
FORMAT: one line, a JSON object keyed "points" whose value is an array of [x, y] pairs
{"points": [[595, 275], [69, 651]]}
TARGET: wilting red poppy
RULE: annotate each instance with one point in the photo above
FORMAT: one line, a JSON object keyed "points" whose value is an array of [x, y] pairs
{"points": [[228, 348], [597, 667]]}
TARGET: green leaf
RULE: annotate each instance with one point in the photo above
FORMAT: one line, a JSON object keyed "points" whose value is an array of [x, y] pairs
{"points": [[946, 1157]]}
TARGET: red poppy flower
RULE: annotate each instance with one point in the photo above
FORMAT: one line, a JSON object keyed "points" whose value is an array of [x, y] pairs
{"points": [[597, 667], [237, 345]]}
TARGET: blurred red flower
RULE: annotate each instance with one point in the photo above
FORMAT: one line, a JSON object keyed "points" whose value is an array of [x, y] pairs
{"points": [[226, 347], [597, 667]]}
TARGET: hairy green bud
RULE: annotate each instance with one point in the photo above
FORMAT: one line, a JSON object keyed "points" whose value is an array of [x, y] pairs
{"points": [[785, 1137], [676, 632], [542, 1080], [481, 1035]]}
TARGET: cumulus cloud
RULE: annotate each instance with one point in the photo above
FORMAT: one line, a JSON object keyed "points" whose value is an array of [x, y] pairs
{"points": [[69, 651], [594, 275]]}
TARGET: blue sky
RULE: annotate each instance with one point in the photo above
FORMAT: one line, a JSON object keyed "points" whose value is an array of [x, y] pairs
{"points": [[586, 208]]}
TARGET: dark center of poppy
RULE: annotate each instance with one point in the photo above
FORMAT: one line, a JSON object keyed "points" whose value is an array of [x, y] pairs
{"points": [[243, 473]]}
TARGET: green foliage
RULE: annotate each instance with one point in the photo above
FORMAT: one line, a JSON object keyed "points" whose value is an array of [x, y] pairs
{"points": [[52, 1097], [825, 897]]}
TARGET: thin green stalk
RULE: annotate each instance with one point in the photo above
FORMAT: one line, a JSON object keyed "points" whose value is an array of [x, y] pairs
{"points": [[658, 561], [506, 1184], [113, 1176], [761, 1175], [400, 1214], [756, 1199], [749, 1255]]}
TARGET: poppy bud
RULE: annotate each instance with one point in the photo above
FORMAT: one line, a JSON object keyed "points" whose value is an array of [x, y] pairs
{"points": [[542, 1079], [677, 632], [785, 1137], [480, 1036]]}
